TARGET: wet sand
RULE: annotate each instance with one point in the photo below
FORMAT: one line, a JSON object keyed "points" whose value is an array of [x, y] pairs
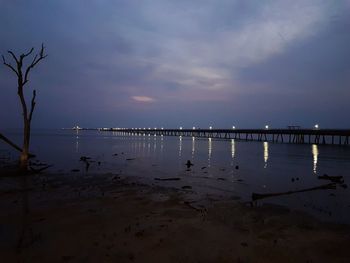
{"points": [[107, 218]]}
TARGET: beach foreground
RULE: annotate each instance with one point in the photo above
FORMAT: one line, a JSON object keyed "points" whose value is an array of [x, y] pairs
{"points": [[108, 218]]}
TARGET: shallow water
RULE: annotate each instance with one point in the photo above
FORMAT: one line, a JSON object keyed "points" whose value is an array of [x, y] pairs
{"points": [[264, 167]]}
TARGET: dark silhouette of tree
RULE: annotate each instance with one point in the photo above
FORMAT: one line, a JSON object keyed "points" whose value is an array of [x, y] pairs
{"points": [[22, 74]]}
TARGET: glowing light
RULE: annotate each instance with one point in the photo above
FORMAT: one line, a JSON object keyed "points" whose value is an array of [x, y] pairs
{"points": [[193, 128], [210, 127], [233, 127], [316, 126], [180, 128], [162, 128], [266, 127]]}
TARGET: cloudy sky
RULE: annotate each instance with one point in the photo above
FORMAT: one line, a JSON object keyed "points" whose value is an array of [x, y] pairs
{"points": [[171, 63]]}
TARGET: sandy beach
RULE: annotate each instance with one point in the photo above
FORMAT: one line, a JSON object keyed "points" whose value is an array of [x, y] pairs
{"points": [[108, 218]]}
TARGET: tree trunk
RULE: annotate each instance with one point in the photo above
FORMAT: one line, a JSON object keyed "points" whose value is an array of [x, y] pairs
{"points": [[25, 150]]}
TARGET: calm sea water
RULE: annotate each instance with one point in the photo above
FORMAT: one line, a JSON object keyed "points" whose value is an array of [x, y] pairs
{"points": [[263, 167]]}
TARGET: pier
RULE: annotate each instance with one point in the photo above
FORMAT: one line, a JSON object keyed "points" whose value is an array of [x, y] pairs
{"points": [[296, 136]]}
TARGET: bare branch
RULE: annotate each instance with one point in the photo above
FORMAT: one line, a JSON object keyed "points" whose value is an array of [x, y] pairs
{"points": [[34, 59], [13, 55], [27, 54], [32, 106], [42, 50], [34, 62], [9, 65], [20, 62]]}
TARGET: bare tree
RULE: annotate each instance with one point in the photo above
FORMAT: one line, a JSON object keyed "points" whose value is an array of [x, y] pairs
{"points": [[22, 74]]}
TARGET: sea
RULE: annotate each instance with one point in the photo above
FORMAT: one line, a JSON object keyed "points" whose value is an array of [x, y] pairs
{"points": [[287, 175]]}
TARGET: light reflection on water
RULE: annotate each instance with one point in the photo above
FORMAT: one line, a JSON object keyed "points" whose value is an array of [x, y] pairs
{"points": [[180, 146], [315, 157], [263, 166], [77, 141], [161, 144], [193, 147], [210, 147], [266, 153], [233, 149]]}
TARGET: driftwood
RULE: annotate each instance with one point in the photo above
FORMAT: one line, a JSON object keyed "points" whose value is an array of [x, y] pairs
{"points": [[40, 169], [334, 179], [8, 141], [257, 196]]}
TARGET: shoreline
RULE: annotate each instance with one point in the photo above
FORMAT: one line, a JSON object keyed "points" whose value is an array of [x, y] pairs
{"points": [[110, 218]]}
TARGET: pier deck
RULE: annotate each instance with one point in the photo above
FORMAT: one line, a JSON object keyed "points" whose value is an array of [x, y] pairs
{"points": [[298, 136]]}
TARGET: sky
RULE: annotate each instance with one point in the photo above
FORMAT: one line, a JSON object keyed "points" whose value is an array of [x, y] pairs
{"points": [[172, 63]]}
